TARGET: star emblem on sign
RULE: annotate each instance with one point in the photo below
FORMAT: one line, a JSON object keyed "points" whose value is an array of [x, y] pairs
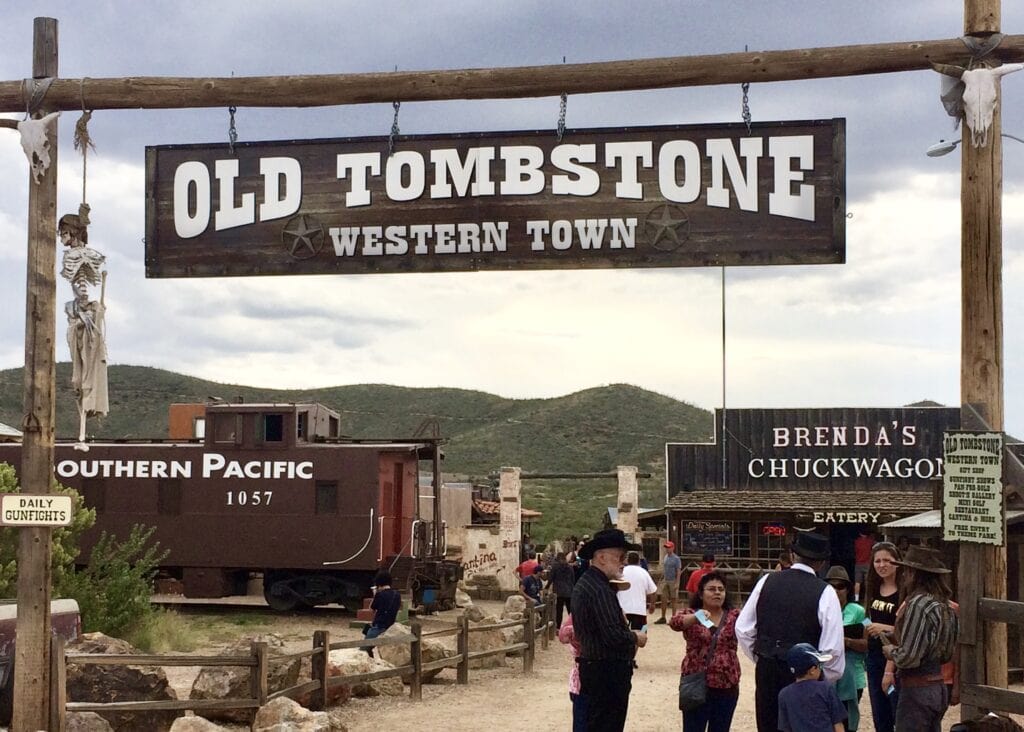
{"points": [[666, 227], [303, 236]]}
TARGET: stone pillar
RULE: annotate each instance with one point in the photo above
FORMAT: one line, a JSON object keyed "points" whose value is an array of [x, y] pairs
{"points": [[510, 528], [629, 494]]}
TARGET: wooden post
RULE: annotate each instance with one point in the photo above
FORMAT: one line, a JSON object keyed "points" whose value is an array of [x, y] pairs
{"points": [[258, 675], [318, 671], [59, 680], [529, 625], [416, 653], [544, 626], [983, 657], [32, 667], [462, 641]]}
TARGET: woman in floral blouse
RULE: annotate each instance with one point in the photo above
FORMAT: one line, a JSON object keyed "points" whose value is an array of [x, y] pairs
{"points": [[711, 604]]}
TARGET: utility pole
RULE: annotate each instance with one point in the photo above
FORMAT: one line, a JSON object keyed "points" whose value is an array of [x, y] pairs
{"points": [[982, 570], [32, 658]]}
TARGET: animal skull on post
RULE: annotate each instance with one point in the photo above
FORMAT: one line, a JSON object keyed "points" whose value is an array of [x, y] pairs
{"points": [[979, 95], [36, 143]]}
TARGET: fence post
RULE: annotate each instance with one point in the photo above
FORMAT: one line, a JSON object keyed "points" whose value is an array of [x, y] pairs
{"points": [[544, 627], [552, 629], [258, 675], [318, 670], [58, 679], [462, 641], [529, 623], [416, 652]]}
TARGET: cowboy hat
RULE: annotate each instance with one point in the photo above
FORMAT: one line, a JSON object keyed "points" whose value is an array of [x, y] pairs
{"points": [[923, 559], [838, 573], [606, 539], [811, 545]]}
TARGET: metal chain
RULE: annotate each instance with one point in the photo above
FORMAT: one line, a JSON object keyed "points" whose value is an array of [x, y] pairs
{"points": [[561, 116], [745, 86], [232, 132], [394, 129]]}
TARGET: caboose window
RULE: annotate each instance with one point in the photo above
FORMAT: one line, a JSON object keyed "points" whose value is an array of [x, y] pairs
{"points": [[168, 497], [224, 427], [333, 427], [302, 426], [94, 493], [326, 497], [273, 427]]}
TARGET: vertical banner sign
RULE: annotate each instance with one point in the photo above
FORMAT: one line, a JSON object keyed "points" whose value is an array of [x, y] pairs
{"points": [[678, 196], [972, 501]]}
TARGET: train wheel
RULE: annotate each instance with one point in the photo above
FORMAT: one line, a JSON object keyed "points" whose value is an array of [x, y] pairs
{"points": [[279, 595]]}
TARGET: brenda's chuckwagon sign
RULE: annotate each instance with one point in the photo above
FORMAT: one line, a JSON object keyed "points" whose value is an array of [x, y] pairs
{"points": [[637, 197]]}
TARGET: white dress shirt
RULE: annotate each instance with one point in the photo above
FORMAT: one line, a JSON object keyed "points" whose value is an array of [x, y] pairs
{"points": [[830, 617]]}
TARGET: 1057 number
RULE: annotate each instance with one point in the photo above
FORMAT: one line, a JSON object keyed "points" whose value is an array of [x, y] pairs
{"points": [[249, 498]]}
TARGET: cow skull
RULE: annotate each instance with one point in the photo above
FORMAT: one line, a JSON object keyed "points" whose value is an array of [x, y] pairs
{"points": [[36, 144], [979, 95]]}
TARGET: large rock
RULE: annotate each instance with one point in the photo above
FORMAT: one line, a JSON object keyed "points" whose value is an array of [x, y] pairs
{"points": [[487, 640], [352, 662], [232, 682], [474, 613], [284, 715], [400, 654], [514, 604], [196, 724], [462, 598], [118, 683], [88, 722]]}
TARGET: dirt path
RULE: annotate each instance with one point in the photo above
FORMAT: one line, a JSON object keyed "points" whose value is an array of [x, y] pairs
{"points": [[505, 699]]}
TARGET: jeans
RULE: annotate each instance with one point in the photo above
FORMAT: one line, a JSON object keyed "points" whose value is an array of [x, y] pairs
{"points": [[921, 708], [883, 706], [715, 714], [579, 712], [606, 686], [770, 677]]}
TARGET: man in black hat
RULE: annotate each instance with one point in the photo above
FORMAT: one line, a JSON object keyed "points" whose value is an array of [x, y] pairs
{"points": [[786, 608], [928, 631], [607, 645]]}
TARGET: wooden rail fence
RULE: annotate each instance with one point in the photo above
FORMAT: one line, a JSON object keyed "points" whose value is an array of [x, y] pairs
{"points": [[994, 698], [537, 622]]}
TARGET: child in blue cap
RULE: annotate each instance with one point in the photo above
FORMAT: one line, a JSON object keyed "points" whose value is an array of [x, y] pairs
{"points": [[810, 704]]}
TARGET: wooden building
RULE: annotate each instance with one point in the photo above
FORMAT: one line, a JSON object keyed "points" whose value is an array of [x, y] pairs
{"points": [[769, 472]]}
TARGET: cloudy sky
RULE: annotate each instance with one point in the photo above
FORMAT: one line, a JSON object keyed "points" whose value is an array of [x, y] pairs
{"points": [[883, 329]]}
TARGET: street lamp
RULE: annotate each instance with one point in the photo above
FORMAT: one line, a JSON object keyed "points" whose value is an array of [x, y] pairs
{"points": [[942, 147]]}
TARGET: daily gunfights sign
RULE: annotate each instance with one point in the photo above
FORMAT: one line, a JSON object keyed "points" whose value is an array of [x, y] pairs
{"points": [[680, 196]]}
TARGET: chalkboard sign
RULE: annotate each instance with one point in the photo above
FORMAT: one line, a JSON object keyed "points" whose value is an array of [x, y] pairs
{"points": [[714, 537]]}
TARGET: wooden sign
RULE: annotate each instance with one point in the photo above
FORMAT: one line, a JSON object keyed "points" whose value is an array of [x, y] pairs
{"points": [[679, 196], [21, 509], [972, 488]]}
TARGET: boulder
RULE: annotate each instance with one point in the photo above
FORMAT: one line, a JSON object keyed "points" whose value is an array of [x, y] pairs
{"points": [[462, 598], [397, 655], [284, 714], [474, 613], [196, 724], [232, 682], [513, 634], [487, 640], [514, 604], [88, 722], [118, 683], [352, 661]]}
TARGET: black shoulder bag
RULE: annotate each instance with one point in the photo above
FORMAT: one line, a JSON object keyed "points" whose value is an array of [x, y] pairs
{"points": [[693, 688]]}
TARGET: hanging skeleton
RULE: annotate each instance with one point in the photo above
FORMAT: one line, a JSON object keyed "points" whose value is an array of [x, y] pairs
{"points": [[83, 267]]}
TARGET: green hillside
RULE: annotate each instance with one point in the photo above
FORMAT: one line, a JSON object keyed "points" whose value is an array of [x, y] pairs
{"points": [[591, 430]]}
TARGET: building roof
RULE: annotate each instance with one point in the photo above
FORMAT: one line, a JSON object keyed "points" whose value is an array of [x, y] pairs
{"points": [[493, 508], [9, 434], [613, 513], [933, 520], [900, 502]]}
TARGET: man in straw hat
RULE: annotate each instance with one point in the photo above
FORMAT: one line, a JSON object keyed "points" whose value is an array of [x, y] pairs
{"points": [[786, 608], [927, 630], [607, 645]]}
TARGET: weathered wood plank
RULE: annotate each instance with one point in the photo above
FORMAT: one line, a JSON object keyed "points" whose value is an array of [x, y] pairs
{"points": [[168, 705], [992, 698], [501, 83], [1001, 611], [155, 660]]}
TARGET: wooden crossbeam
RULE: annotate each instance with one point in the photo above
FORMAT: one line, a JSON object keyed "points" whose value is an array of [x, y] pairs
{"points": [[153, 92]]}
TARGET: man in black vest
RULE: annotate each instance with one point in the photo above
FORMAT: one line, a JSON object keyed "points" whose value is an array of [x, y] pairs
{"points": [[786, 608]]}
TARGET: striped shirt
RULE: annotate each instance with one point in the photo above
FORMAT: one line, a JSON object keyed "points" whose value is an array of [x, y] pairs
{"points": [[599, 625], [924, 627]]}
